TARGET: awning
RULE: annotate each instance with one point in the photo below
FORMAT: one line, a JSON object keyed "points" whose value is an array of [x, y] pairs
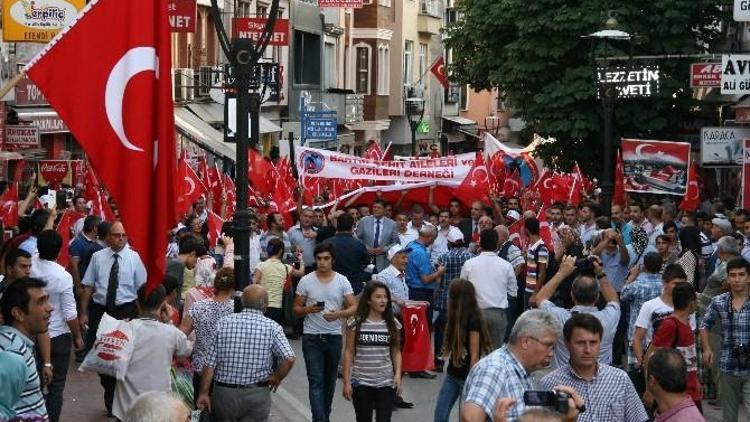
{"points": [[460, 120], [211, 113], [45, 118], [202, 133], [470, 133]]}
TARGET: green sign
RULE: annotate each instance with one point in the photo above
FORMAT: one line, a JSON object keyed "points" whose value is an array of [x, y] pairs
{"points": [[423, 127]]}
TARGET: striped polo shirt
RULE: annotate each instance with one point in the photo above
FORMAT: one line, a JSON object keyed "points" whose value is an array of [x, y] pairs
{"points": [[31, 401], [372, 365]]}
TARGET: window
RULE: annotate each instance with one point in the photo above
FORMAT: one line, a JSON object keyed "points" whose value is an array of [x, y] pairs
{"points": [[362, 78], [386, 3], [261, 10], [243, 9], [384, 69], [408, 61], [306, 58], [422, 59], [330, 75]]}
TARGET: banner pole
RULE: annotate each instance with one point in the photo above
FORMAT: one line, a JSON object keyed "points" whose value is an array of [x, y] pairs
{"points": [[11, 84]]}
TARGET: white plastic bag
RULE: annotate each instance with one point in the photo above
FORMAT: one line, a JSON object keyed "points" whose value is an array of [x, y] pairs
{"points": [[112, 349]]}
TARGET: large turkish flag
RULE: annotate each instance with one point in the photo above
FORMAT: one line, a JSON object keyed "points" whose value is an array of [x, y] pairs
{"points": [[108, 76]]}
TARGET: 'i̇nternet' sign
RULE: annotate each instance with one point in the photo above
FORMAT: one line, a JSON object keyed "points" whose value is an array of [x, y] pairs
{"points": [[630, 82]]}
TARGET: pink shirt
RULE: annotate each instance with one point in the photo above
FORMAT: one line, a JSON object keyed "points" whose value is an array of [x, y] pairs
{"points": [[683, 412]]}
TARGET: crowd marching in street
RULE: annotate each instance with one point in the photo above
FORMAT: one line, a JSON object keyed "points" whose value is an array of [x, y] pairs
{"points": [[563, 316]]}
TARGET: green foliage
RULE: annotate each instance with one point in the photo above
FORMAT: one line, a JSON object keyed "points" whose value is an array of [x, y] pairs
{"points": [[535, 51]]}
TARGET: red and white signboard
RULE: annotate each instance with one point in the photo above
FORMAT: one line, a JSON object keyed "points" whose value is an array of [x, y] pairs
{"points": [[182, 15], [53, 170], [332, 165], [21, 136], [354, 4], [658, 167], [252, 28], [704, 75], [746, 176], [27, 93]]}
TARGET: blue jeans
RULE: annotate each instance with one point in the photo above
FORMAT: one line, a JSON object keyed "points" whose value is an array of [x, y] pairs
{"points": [[322, 354], [449, 393]]}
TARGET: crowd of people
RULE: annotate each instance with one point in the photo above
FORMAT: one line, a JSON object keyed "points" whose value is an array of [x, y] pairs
{"points": [[568, 315]]}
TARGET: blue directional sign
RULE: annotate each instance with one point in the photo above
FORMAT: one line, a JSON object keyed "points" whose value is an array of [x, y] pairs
{"points": [[321, 128]]}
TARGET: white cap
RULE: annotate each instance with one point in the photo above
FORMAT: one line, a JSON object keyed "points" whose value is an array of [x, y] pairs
{"points": [[454, 235], [395, 249]]}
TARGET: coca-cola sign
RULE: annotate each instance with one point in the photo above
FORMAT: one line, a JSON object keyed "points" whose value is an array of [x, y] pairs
{"points": [[53, 170]]}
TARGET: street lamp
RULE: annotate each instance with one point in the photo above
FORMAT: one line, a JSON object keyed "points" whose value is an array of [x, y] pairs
{"points": [[608, 94], [414, 107], [246, 71]]}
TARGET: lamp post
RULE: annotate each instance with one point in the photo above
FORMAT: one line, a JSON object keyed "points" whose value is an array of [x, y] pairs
{"points": [[608, 94], [244, 56], [414, 107]]}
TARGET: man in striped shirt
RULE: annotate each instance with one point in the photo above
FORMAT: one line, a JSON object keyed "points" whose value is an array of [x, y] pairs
{"points": [[26, 310]]}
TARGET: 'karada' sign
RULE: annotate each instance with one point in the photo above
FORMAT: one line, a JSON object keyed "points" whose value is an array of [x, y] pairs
{"points": [[182, 15], [252, 28], [332, 165], [735, 75]]}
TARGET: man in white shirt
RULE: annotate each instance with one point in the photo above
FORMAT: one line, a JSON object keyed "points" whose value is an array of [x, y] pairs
{"points": [[406, 234], [64, 330], [588, 228], [493, 279], [440, 245], [638, 219]]}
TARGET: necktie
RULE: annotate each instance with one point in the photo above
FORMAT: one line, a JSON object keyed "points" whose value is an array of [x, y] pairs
{"points": [[475, 233], [376, 243], [114, 283]]}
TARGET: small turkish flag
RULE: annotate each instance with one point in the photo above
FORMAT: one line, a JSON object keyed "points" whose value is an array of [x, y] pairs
{"points": [[231, 193], [114, 92], [691, 201], [618, 196], [192, 187], [438, 69], [9, 206], [417, 354], [476, 184]]}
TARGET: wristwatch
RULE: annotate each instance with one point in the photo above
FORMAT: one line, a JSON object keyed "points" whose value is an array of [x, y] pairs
{"points": [[581, 408], [48, 365]]}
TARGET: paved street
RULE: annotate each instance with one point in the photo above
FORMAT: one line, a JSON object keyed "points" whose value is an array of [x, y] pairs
{"points": [[83, 399]]}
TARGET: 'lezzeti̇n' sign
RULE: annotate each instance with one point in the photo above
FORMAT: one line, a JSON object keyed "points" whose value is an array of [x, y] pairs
{"points": [[631, 83]]}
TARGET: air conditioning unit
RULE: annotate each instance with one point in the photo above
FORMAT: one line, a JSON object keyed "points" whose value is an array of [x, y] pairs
{"points": [[184, 81]]}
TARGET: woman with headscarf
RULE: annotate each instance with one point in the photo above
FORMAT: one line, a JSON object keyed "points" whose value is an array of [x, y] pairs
{"points": [[690, 254], [13, 376]]}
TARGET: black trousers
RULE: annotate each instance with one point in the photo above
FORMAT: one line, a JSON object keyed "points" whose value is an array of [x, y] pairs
{"points": [[96, 312], [60, 347], [369, 399]]}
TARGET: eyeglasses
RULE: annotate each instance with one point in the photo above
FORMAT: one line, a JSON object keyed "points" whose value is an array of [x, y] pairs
{"points": [[119, 235], [549, 346]]}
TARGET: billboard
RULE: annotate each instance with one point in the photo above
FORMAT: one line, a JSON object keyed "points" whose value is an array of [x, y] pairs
{"points": [[658, 167], [252, 28], [722, 146], [37, 20]]}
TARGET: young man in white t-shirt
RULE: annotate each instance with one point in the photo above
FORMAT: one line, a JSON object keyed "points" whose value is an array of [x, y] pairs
{"points": [[324, 298], [656, 310]]}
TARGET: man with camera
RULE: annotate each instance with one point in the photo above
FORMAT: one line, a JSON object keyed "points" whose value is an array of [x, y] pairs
{"points": [[731, 311], [607, 392], [506, 373], [585, 293]]}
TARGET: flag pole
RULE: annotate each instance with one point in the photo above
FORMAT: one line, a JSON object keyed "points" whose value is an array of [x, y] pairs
{"points": [[388, 148], [11, 84]]}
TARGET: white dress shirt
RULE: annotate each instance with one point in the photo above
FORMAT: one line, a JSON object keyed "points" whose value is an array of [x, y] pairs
{"points": [[60, 291], [493, 279], [407, 237]]}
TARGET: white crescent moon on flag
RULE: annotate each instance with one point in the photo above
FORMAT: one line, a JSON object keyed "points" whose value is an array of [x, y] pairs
{"points": [[192, 185], [135, 61], [545, 183], [639, 150], [414, 321], [696, 195], [483, 170]]}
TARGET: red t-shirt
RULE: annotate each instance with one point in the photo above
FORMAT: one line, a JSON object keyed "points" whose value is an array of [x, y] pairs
{"points": [[673, 333]]}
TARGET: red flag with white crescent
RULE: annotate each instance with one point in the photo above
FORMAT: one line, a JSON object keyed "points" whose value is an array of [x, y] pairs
{"points": [[691, 200], [114, 92], [438, 69], [191, 186], [9, 206], [417, 354], [618, 196], [476, 184]]}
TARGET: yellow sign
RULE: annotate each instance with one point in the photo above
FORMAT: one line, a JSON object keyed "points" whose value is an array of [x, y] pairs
{"points": [[37, 20]]}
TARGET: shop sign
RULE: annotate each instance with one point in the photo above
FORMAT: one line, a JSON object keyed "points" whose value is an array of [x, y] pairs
{"points": [[37, 20], [252, 28], [630, 83], [722, 146], [53, 170], [21, 136], [27, 93], [742, 115], [742, 10], [703, 75], [182, 15], [50, 123], [352, 4], [735, 74]]}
